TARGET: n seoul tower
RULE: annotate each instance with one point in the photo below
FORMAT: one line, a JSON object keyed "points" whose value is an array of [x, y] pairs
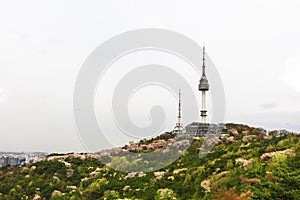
{"points": [[203, 87]]}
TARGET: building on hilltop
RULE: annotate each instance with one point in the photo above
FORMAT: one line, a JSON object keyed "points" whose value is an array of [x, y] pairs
{"points": [[199, 129]]}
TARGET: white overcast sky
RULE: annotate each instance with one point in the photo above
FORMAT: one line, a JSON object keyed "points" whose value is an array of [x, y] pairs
{"points": [[255, 46]]}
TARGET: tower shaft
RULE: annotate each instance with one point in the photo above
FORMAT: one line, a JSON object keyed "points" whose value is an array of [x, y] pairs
{"points": [[203, 110]]}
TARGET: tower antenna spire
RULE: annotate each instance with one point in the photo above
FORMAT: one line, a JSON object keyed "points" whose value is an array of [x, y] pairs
{"points": [[203, 63], [179, 104]]}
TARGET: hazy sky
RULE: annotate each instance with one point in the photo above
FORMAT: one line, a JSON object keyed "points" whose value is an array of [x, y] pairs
{"points": [[254, 45]]}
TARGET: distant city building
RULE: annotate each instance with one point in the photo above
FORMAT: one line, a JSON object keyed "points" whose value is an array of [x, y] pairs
{"points": [[16, 158], [5, 160]]}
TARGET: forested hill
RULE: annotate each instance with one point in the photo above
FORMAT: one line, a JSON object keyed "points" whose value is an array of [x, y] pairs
{"points": [[244, 164]]}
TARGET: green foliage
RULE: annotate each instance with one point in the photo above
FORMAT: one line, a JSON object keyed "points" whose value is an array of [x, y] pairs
{"points": [[275, 178], [111, 195], [165, 194]]}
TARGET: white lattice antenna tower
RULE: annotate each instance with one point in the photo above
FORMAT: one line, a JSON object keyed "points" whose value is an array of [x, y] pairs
{"points": [[179, 127]]}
